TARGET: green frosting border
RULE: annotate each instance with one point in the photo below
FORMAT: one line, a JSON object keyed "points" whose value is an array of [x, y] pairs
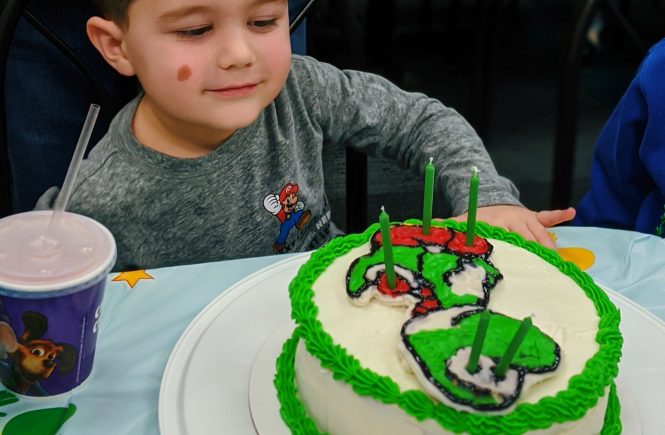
{"points": [[583, 391], [299, 422]]}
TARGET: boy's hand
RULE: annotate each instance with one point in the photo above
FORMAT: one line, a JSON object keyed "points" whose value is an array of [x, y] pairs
{"points": [[528, 223]]}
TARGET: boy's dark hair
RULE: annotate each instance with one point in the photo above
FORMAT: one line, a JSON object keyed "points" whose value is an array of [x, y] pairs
{"points": [[115, 10]]}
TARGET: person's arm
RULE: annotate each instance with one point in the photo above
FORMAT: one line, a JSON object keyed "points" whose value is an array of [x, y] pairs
{"points": [[374, 116], [629, 151]]}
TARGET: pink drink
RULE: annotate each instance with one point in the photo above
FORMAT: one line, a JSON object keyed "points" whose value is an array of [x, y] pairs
{"points": [[51, 288]]}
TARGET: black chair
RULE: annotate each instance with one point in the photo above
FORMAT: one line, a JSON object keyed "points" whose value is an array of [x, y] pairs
{"points": [[380, 41], [356, 162], [12, 10]]}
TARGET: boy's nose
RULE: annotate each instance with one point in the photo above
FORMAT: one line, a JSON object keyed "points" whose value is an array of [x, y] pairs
{"points": [[235, 50]]}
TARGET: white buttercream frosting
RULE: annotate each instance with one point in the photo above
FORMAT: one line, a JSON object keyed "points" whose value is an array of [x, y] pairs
{"points": [[468, 281], [371, 333]]}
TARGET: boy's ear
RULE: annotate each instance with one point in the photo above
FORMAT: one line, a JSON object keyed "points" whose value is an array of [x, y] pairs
{"points": [[108, 38]]}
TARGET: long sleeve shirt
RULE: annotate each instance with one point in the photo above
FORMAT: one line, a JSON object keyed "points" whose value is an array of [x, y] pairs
{"points": [[166, 211]]}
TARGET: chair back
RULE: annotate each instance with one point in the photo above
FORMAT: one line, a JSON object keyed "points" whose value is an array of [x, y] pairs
{"points": [[10, 11]]}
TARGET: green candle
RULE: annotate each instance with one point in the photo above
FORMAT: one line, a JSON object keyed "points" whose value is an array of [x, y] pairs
{"points": [[384, 220], [428, 196], [481, 330], [473, 205], [518, 338]]}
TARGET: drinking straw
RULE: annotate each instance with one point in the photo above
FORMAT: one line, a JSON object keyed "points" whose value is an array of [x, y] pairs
{"points": [[72, 171]]}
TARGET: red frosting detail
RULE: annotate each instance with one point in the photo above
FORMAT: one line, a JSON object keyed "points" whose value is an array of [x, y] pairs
{"points": [[458, 245], [427, 305], [426, 292], [430, 303], [401, 286], [412, 235]]}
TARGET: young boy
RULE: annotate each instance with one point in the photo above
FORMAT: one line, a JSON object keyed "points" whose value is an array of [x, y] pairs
{"points": [[628, 177], [220, 156]]}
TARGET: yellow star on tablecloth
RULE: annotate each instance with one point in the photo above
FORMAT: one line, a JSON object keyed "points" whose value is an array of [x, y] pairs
{"points": [[583, 258], [132, 277]]}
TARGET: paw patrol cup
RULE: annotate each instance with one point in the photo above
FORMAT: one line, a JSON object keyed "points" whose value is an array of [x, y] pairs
{"points": [[51, 289]]}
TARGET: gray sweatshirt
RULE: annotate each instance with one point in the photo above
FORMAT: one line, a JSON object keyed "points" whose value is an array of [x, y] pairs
{"points": [[262, 190]]}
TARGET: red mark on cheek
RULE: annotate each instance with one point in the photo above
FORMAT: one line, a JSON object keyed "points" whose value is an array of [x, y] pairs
{"points": [[184, 72]]}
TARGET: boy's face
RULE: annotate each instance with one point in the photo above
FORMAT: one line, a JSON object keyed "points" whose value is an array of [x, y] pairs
{"points": [[208, 65]]}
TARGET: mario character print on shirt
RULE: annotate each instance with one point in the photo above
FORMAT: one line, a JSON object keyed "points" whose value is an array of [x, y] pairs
{"points": [[289, 211]]}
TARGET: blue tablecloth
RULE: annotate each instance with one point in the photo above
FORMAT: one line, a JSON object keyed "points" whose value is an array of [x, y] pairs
{"points": [[141, 324]]}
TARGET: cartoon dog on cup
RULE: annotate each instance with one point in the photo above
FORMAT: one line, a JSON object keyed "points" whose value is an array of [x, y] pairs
{"points": [[34, 358]]}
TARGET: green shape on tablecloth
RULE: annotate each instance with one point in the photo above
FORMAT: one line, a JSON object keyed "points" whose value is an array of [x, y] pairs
{"points": [[7, 398], [39, 422]]}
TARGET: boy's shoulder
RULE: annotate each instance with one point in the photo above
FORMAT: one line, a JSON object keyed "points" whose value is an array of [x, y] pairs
{"points": [[106, 151], [310, 80], [108, 158], [301, 62], [306, 68], [118, 133], [315, 78]]}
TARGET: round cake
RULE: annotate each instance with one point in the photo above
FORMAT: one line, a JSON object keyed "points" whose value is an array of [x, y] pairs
{"points": [[407, 355]]}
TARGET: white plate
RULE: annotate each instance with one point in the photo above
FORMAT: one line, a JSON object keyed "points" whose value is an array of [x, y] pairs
{"points": [[206, 383], [206, 380], [263, 402]]}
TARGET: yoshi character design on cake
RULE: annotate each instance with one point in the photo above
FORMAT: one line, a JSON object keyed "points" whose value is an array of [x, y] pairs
{"points": [[446, 285]]}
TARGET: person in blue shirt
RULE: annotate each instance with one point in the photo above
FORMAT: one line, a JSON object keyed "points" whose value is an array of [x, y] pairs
{"points": [[628, 170]]}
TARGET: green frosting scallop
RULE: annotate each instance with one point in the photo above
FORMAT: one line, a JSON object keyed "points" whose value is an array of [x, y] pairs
{"points": [[299, 422], [612, 425], [583, 391], [291, 409]]}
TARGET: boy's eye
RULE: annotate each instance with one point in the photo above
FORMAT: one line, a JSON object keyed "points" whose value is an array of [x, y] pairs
{"points": [[263, 24], [193, 33]]}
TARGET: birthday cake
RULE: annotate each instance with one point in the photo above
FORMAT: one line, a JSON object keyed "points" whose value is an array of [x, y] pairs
{"points": [[491, 335]]}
